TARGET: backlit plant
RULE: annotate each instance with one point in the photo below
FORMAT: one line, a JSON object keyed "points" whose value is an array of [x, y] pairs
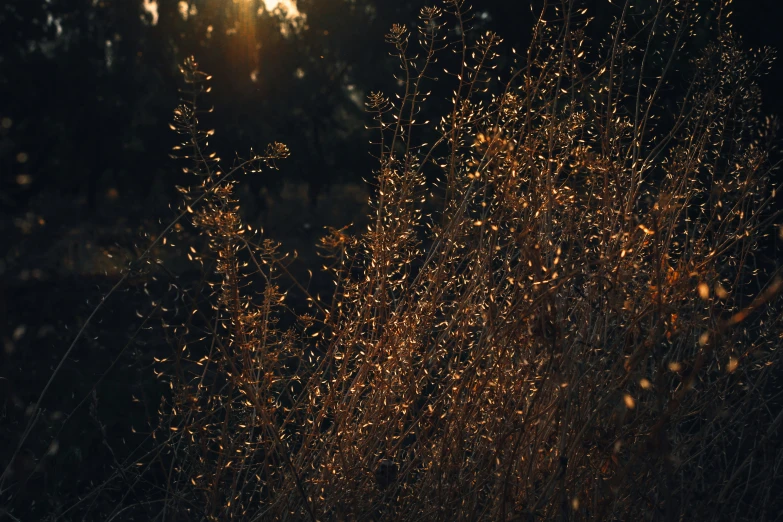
{"points": [[556, 312]]}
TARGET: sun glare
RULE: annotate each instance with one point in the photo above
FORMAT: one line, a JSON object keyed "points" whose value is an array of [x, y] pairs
{"points": [[287, 6]]}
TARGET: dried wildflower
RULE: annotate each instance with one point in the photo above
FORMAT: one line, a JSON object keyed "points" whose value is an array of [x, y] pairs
{"points": [[481, 330]]}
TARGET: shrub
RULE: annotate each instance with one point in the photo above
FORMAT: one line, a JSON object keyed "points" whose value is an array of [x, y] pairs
{"points": [[557, 312]]}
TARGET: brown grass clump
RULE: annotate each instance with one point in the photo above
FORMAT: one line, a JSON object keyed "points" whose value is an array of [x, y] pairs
{"points": [[570, 322]]}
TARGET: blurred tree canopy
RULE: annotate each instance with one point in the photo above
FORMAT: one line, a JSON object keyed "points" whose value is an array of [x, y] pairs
{"points": [[88, 86]]}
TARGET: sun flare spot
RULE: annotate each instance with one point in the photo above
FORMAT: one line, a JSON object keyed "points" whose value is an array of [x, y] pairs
{"points": [[286, 11], [288, 7]]}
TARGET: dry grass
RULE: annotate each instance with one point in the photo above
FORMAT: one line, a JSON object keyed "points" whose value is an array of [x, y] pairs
{"points": [[569, 323]]}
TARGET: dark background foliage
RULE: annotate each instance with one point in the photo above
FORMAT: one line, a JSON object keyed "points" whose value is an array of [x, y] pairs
{"points": [[87, 89]]}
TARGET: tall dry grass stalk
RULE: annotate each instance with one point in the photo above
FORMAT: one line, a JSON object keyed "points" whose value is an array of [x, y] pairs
{"points": [[570, 323]]}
